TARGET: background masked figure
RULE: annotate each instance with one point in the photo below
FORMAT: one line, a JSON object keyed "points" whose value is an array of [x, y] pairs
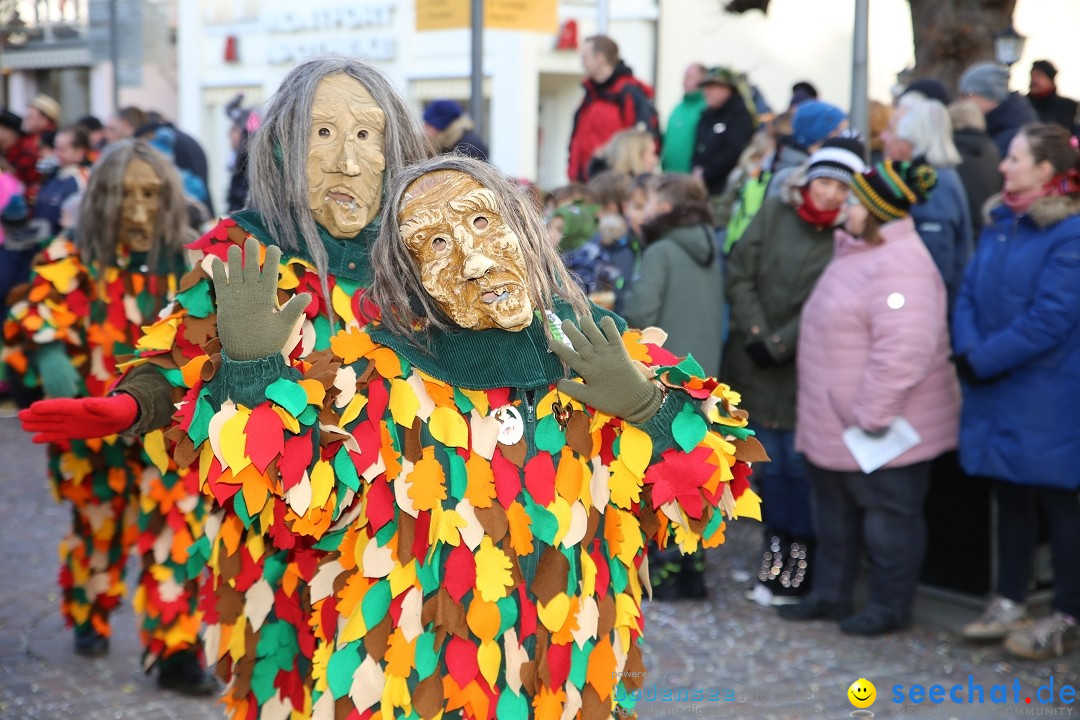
{"points": [[67, 330], [435, 521], [334, 133]]}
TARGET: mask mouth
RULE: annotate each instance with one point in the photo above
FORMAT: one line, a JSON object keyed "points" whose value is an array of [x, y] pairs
{"points": [[497, 292], [491, 297], [343, 198]]}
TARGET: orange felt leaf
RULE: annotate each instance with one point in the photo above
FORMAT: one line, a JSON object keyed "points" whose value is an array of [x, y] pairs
{"points": [[138, 282], [347, 548], [399, 654], [565, 635], [635, 348], [483, 619], [548, 703], [229, 534], [356, 586], [289, 582], [39, 292], [481, 488], [33, 323], [612, 533], [390, 457], [387, 362], [440, 393], [568, 476], [520, 533], [427, 484], [600, 674], [352, 344], [17, 361], [192, 370]]}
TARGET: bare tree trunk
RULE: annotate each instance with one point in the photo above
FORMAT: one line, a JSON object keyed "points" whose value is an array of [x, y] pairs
{"points": [[950, 36]]}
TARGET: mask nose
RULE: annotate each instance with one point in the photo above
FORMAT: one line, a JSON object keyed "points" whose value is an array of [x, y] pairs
{"points": [[477, 265], [348, 164]]}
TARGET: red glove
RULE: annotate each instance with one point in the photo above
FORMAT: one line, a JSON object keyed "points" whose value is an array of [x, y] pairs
{"points": [[55, 421]]}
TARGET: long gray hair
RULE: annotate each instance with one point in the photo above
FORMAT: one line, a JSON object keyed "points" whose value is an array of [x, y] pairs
{"points": [[279, 149], [397, 288], [97, 233]]}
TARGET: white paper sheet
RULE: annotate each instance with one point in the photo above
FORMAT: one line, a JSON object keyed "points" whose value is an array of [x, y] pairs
{"points": [[873, 452]]}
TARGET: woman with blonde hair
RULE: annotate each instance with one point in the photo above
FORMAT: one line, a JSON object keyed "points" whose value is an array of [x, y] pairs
{"points": [[922, 128], [630, 151]]}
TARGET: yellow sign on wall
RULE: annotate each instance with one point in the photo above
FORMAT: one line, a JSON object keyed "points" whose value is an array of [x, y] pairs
{"points": [[534, 15]]}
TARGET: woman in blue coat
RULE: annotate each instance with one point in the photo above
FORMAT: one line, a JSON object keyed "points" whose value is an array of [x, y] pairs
{"points": [[1016, 337]]}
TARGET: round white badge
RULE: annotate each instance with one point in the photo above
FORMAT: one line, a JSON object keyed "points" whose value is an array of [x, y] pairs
{"points": [[511, 426]]}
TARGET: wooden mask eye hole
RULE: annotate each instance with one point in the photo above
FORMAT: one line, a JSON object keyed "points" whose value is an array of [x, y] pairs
{"points": [[438, 244], [480, 223]]}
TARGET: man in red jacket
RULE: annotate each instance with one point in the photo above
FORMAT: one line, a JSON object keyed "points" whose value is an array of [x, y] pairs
{"points": [[614, 100]]}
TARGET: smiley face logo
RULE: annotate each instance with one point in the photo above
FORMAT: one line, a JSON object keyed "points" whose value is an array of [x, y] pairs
{"points": [[862, 693]]}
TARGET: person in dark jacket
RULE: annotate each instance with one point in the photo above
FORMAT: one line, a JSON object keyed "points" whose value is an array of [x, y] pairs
{"points": [[452, 130], [723, 132], [1016, 342], [614, 100], [987, 84], [72, 153], [979, 158], [813, 123], [1043, 96]]}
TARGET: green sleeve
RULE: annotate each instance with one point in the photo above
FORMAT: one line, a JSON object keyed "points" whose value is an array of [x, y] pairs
{"points": [[245, 381], [153, 394]]}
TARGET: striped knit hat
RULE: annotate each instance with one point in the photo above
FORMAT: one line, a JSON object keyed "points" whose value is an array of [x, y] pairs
{"points": [[890, 188], [838, 158]]}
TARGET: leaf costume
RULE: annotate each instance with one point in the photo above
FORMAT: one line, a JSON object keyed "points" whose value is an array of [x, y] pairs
{"points": [[377, 552], [126, 492]]}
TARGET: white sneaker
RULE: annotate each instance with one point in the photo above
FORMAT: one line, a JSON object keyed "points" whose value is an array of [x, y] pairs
{"points": [[1001, 617]]}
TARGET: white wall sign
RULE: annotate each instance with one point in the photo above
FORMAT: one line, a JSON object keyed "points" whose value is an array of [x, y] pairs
{"points": [[349, 28]]}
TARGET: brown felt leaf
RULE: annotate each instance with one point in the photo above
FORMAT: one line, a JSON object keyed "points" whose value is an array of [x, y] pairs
{"points": [[515, 453], [606, 621], [375, 642], [750, 450], [592, 707], [413, 449], [590, 530], [192, 278], [210, 368], [528, 676], [551, 572], [493, 520], [199, 331], [229, 565], [213, 346], [577, 434], [343, 708], [185, 453], [406, 536], [634, 672], [698, 525], [427, 698]]}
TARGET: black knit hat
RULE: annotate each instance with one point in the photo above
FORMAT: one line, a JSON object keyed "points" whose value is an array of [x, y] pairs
{"points": [[838, 158], [10, 120], [930, 88], [1046, 68], [890, 188]]}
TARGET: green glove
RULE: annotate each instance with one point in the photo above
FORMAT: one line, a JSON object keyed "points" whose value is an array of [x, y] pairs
{"points": [[613, 384], [250, 323], [58, 376]]}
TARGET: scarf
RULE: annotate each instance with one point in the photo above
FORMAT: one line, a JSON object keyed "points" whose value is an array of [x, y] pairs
{"points": [[1066, 183], [811, 214]]}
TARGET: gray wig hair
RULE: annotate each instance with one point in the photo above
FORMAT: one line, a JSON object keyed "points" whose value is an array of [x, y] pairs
{"points": [[97, 232], [279, 149], [397, 288]]}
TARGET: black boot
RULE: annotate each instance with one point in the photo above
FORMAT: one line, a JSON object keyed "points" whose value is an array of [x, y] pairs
{"points": [[773, 559], [90, 643], [183, 672], [794, 580]]}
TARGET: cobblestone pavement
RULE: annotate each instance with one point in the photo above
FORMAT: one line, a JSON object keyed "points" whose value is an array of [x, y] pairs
{"points": [[769, 669]]}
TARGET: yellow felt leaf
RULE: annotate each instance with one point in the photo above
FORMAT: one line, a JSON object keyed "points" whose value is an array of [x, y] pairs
{"points": [[427, 483], [488, 657], [403, 402], [402, 577], [154, 445], [448, 427], [319, 661], [445, 527], [492, 571], [624, 485], [61, 274], [234, 441], [352, 410], [287, 279], [354, 629], [287, 420], [553, 615], [343, 305], [588, 574], [635, 449], [479, 400], [631, 533], [561, 510], [748, 505], [322, 483], [159, 336]]}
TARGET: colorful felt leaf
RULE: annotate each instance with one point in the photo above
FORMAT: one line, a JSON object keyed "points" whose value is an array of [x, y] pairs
{"points": [[492, 571]]}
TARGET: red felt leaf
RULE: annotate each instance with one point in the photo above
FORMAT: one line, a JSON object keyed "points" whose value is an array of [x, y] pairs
{"points": [[222, 491], [329, 615], [281, 536], [186, 411], [265, 436], [250, 571], [459, 577], [526, 614], [741, 481], [380, 503], [558, 658], [497, 397], [378, 398], [540, 479], [369, 438], [461, 660], [507, 479], [307, 562], [607, 443], [660, 356], [295, 459], [420, 540], [603, 573], [678, 476]]}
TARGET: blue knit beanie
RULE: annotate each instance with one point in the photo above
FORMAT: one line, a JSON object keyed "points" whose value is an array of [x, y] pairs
{"points": [[440, 113], [814, 120]]}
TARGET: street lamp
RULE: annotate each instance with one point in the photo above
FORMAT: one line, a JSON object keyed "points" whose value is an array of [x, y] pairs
{"points": [[1008, 46]]}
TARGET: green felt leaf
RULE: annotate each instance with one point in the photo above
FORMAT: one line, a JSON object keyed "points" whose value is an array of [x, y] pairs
{"points": [[740, 433], [464, 404], [340, 669], [714, 522], [511, 706], [197, 299], [309, 416], [274, 567], [544, 524], [288, 395], [688, 428], [549, 436], [262, 680], [345, 469], [199, 430], [330, 541], [175, 376], [428, 575], [321, 323], [579, 663], [426, 657], [508, 613], [619, 578], [386, 532], [459, 480], [375, 603], [278, 642], [240, 506]]}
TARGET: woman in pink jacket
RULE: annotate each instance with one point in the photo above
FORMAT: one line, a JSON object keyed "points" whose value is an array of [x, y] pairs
{"points": [[874, 347]]}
